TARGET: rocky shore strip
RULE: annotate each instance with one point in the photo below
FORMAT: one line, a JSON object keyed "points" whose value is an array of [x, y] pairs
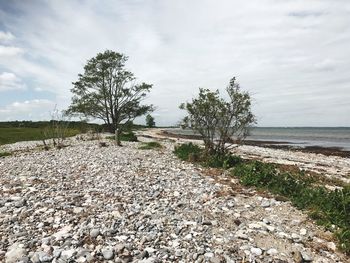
{"points": [[331, 167], [86, 203]]}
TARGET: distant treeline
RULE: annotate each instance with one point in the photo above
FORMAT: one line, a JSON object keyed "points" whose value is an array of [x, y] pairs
{"points": [[78, 125]]}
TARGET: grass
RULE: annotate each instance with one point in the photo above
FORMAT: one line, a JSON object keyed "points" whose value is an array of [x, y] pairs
{"points": [[125, 137], [3, 154], [12, 135], [150, 145], [330, 209]]}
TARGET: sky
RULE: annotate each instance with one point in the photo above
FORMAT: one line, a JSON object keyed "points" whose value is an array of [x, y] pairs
{"points": [[292, 56]]}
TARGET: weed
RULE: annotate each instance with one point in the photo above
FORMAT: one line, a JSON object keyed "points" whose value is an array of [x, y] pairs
{"points": [[150, 145], [126, 137]]}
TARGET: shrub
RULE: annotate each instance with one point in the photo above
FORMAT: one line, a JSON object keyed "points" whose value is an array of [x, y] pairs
{"points": [[222, 161], [193, 153], [126, 137], [218, 120], [188, 151], [150, 145]]}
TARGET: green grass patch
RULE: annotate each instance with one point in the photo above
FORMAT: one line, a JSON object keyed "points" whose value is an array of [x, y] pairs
{"points": [[12, 135], [125, 137], [3, 154], [150, 145]]}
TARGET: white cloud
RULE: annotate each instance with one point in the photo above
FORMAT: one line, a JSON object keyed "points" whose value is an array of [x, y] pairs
{"points": [[38, 109], [6, 36], [6, 51], [9, 81]]}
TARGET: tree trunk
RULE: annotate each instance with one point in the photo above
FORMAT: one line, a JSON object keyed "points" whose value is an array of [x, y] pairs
{"points": [[117, 136]]}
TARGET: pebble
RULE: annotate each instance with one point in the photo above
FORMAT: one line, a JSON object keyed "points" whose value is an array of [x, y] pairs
{"points": [[86, 203]]}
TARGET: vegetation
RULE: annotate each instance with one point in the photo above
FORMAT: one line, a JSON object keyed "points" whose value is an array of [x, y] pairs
{"points": [[194, 153], [150, 146], [126, 137], [12, 135], [3, 154], [107, 91], [329, 208], [218, 120], [150, 123]]}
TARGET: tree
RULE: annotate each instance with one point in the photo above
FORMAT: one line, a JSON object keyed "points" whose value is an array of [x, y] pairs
{"points": [[107, 91], [218, 120], [150, 121]]}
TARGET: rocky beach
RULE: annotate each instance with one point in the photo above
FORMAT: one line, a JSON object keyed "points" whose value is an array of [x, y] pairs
{"points": [[86, 203]]}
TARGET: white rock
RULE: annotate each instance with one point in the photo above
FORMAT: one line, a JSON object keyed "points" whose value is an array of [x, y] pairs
{"points": [[14, 253], [256, 251]]}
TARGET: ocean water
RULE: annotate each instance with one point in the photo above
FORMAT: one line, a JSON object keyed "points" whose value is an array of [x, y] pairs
{"points": [[298, 136]]}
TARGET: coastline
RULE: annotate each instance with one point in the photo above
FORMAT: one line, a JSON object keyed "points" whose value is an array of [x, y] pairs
{"points": [[283, 145], [332, 167]]}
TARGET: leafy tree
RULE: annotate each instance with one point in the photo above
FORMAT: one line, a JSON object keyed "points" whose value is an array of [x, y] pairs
{"points": [[150, 121], [107, 91], [218, 120]]}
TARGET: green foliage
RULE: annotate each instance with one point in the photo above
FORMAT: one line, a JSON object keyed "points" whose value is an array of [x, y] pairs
{"points": [[150, 121], [225, 161], [12, 135], [3, 154], [218, 120], [150, 145], [188, 151], [326, 207], [193, 153], [126, 137], [107, 91]]}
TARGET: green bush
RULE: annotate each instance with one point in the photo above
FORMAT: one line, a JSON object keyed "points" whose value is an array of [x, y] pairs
{"points": [[326, 207], [126, 137], [193, 153], [225, 161], [150, 145], [188, 151]]}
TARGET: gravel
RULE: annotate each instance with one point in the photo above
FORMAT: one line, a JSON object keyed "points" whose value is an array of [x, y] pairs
{"points": [[86, 203]]}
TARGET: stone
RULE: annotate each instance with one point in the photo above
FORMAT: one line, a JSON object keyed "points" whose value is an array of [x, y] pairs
{"points": [[256, 251], [94, 232], [303, 231], [306, 257], [272, 251], [108, 253], [15, 253], [44, 257]]}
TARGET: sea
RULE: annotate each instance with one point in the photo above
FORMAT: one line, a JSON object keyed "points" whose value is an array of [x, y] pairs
{"points": [[335, 137]]}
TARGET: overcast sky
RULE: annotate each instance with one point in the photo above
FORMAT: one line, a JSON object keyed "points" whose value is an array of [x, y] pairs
{"points": [[292, 56]]}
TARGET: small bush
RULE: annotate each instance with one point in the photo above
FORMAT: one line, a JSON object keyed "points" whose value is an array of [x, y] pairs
{"points": [[193, 153], [188, 152], [3, 154], [226, 161], [126, 137], [150, 145]]}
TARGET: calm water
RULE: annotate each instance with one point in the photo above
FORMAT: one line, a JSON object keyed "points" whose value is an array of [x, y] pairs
{"points": [[300, 136]]}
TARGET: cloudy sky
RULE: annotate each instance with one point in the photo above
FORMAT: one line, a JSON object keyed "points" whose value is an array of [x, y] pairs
{"points": [[293, 56]]}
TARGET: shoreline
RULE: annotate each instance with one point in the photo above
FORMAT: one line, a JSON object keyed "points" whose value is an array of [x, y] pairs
{"points": [[283, 145]]}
